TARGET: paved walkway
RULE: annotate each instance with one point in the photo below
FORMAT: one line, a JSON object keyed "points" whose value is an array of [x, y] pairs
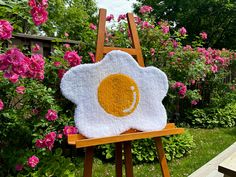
{"points": [[210, 169]]}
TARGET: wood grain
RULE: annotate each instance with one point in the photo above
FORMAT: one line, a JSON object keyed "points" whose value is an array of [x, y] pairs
{"points": [[135, 38], [161, 157], [126, 137], [128, 159], [72, 138], [88, 161], [128, 50], [228, 166], [118, 155], [101, 49], [101, 34]]}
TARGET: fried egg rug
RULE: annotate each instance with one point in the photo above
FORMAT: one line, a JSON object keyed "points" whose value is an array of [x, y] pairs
{"points": [[115, 95]]}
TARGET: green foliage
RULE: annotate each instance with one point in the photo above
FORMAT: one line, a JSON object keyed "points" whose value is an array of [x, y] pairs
{"points": [[145, 150], [18, 108], [54, 164], [178, 146], [221, 96], [213, 117], [216, 17], [17, 13], [71, 16], [23, 120]]}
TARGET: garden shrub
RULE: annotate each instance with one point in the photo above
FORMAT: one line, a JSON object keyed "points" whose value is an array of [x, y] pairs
{"points": [[213, 117], [144, 150], [54, 164]]}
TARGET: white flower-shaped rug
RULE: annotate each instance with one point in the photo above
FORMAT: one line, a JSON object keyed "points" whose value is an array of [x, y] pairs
{"points": [[116, 94]]}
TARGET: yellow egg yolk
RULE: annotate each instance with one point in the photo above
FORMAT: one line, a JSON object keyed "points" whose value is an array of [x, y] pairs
{"points": [[118, 95]]}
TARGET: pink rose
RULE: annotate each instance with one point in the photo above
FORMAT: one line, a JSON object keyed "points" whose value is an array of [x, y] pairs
{"points": [[220, 59], [175, 43], [152, 51], [33, 161], [92, 57], [110, 17], [35, 111], [66, 34], [4, 64], [39, 15], [146, 24], [182, 31], [66, 46], [44, 3], [194, 102], [40, 143], [177, 85], [5, 30], [32, 3], [14, 64], [145, 9], [36, 63], [19, 167], [36, 67], [36, 48], [208, 61], [165, 29], [1, 105], [182, 91], [40, 75], [137, 20], [129, 33], [15, 58], [69, 130], [92, 26], [181, 87], [171, 54], [20, 89], [201, 50], [203, 35], [60, 73], [214, 68], [51, 115], [187, 47], [73, 58], [57, 63], [14, 78], [59, 136], [121, 17], [192, 82], [49, 140]]}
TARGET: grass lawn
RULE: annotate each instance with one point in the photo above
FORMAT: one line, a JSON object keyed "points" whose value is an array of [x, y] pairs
{"points": [[209, 143]]}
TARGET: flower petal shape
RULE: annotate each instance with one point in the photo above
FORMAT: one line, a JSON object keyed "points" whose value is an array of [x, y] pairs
{"points": [[115, 95]]}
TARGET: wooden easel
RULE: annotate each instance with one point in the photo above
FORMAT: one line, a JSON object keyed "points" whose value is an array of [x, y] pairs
{"points": [[123, 140]]}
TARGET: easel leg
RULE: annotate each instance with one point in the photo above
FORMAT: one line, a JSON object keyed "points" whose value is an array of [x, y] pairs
{"points": [[162, 158], [88, 161], [128, 159], [118, 159]]}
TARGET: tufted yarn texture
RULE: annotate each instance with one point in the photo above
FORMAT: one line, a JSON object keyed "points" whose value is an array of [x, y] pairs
{"points": [[116, 94]]}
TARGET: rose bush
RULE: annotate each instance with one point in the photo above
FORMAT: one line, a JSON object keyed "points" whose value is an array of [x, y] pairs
{"points": [[36, 118]]}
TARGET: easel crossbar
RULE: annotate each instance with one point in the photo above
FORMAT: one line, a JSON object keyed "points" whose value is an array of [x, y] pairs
{"points": [[81, 141], [131, 51]]}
